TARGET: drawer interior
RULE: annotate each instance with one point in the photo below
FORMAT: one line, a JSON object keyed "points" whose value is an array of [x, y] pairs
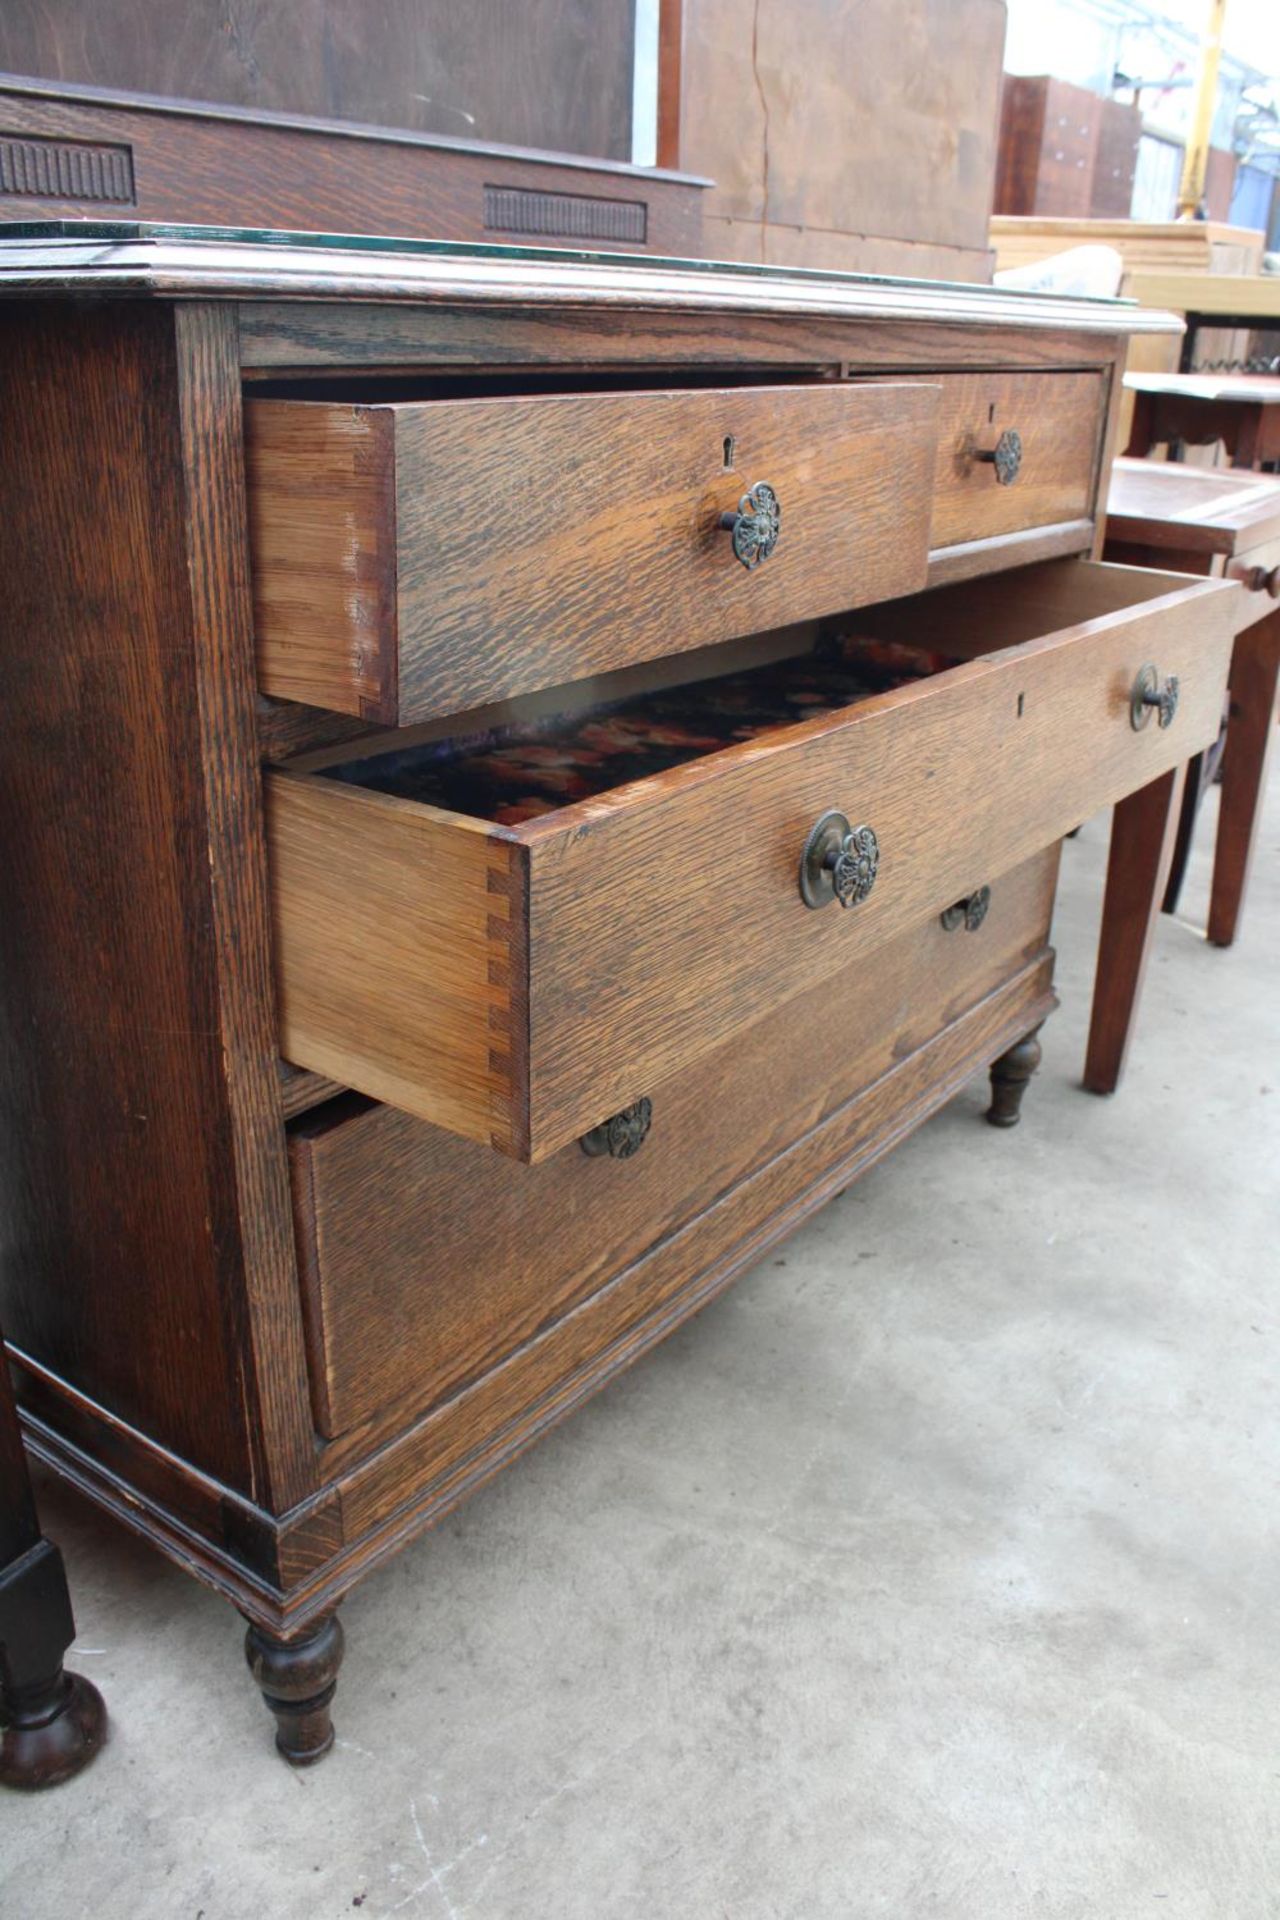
{"points": [[520, 770]]}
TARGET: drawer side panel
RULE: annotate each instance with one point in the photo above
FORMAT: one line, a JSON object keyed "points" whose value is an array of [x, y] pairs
{"points": [[322, 528], [401, 954]]}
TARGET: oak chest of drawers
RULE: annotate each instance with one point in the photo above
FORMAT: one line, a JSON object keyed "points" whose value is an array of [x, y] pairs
{"points": [[523, 774]]}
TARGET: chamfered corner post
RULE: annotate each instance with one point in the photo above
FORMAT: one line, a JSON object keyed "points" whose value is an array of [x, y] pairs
{"points": [[1010, 1075], [298, 1674]]}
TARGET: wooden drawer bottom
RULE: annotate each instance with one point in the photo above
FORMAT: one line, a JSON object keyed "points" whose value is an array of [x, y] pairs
{"points": [[427, 1259]]}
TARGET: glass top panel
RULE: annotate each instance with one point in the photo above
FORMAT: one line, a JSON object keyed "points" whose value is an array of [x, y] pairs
{"points": [[127, 230]]}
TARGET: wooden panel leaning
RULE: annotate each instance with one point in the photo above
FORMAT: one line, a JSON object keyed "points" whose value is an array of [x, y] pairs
{"points": [[417, 559]]}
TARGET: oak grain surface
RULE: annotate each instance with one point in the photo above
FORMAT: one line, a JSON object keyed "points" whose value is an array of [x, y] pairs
{"points": [[427, 1257], [399, 948], [404, 1484], [513, 543], [630, 890], [1058, 417], [301, 334], [138, 1112]]}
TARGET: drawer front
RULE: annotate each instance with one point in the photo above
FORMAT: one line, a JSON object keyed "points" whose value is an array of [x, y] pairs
{"points": [[519, 985], [426, 1259], [412, 560], [1059, 419]]}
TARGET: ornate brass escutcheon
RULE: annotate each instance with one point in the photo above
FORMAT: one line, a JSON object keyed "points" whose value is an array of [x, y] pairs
{"points": [[756, 525], [968, 913], [1005, 457], [622, 1135], [1148, 694], [839, 862]]}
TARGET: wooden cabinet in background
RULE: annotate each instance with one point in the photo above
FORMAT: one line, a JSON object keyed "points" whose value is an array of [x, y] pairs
{"points": [[1064, 151]]}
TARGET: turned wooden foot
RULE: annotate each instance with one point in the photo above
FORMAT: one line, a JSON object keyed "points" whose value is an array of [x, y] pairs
{"points": [[298, 1677], [54, 1721], [1009, 1077]]}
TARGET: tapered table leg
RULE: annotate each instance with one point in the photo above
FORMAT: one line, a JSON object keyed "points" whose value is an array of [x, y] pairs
{"points": [[1255, 667], [1192, 794], [1142, 836], [1142, 428], [53, 1722]]}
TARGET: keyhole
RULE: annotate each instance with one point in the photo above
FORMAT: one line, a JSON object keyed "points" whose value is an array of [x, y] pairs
{"points": [[1022, 703], [730, 448], [991, 414]]}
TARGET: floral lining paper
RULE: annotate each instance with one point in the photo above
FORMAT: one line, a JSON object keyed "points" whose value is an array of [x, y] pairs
{"points": [[516, 773]]}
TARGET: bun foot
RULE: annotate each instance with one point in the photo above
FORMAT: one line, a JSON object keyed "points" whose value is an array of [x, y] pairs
{"points": [[298, 1677], [1009, 1077], [52, 1732], [54, 1722]]}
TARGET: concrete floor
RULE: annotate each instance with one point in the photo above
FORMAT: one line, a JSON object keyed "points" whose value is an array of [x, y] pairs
{"points": [[932, 1570]]}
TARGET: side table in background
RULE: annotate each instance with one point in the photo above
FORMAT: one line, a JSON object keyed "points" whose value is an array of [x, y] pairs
{"points": [[1227, 524]]}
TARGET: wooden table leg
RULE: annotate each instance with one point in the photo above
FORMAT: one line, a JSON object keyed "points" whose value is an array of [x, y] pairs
{"points": [[1141, 427], [54, 1722], [1142, 837], [1192, 794], [1255, 667], [1244, 447]]}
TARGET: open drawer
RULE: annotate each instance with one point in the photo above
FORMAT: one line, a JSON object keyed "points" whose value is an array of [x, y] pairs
{"points": [[421, 557], [518, 970]]}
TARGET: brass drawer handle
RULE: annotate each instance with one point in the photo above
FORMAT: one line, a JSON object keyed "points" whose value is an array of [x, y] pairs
{"points": [[968, 913], [839, 862], [622, 1135], [1005, 457], [1148, 693], [756, 525], [1263, 580]]}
